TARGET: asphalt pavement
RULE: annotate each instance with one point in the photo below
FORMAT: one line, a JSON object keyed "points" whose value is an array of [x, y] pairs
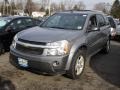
{"points": [[108, 66]]}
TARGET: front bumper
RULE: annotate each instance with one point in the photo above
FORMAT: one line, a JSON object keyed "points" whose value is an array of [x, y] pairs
{"points": [[41, 63]]}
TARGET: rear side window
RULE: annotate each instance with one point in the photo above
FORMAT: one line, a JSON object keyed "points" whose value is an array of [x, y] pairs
{"points": [[112, 22], [107, 21], [101, 20], [29, 22]]}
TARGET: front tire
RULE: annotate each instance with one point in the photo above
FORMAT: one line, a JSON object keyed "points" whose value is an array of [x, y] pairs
{"points": [[77, 65]]}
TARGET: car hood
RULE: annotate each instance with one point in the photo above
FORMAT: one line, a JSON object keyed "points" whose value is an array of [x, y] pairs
{"points": [[39, 34]]}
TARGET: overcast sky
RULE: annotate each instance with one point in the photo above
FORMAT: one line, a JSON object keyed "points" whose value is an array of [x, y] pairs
{"points": [[89, 3]]}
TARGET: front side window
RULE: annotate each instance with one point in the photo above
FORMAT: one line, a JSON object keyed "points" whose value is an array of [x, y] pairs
{"points": [[29, 22], [18, 24], [66, 21], [92, 22]]}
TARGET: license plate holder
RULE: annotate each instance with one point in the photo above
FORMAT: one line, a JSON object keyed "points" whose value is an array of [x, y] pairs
{"points": [[23, 62]]}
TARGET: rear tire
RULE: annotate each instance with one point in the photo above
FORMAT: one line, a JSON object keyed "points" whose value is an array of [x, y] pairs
{"points": [[77, 65], [106, 48]]}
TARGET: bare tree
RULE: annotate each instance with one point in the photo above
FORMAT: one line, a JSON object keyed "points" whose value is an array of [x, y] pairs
{"points": [[99, 6], [44, 3], [19, 5], [102, 7], [69, 4], [30, 7], [62, 6], [79, 6], [54, 7]]}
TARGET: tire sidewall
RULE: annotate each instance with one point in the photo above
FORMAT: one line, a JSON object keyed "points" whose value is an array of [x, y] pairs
{"points": [[107, 45], [73, 64]]}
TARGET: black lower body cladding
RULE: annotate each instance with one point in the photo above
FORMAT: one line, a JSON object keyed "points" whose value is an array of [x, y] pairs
{"points": [[46, 64]]}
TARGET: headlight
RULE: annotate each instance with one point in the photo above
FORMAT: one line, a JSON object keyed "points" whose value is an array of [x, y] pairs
{"points": [[59, 48], [16, 37], [13, 44], [14, 41]]}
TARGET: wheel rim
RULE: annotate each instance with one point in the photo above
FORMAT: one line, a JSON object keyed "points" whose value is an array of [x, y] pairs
{"points": [[79, 65]]}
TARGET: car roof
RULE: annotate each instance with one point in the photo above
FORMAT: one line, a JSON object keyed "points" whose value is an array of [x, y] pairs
{"points": [[82, 12], [14, 17]]}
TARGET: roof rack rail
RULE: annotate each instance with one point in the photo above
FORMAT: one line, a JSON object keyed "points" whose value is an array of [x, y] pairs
{"points": [[82, 10], [77, 10]]}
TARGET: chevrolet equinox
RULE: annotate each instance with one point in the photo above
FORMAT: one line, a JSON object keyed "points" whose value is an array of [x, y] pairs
{"points": [[62, 43]]}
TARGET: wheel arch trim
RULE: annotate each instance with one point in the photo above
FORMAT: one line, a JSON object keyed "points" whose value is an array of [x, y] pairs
{"points": [[74, 49]]}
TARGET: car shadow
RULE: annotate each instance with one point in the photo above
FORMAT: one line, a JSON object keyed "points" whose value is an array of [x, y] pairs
{"points": [[108, 66], [35, 71]]}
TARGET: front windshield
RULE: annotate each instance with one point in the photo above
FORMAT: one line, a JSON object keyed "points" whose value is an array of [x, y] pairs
{"points": [[3, 22], [65, 21]]}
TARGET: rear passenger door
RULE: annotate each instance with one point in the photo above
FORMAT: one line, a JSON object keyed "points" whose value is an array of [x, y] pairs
{"points": [[104, 29]]}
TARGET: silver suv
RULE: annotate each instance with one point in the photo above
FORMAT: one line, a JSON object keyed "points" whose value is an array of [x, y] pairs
{"points": [[62, 43]]}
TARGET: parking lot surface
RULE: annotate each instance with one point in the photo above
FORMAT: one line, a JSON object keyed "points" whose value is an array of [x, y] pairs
{"points": [[102, 72]]}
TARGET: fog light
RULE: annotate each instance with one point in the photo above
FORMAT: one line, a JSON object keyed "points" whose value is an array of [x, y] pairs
{"points": [[56, 63]]}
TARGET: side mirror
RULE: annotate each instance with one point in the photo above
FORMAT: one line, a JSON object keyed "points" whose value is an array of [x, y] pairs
{"points": [[92, 29], [95, 29], [9, 29]]}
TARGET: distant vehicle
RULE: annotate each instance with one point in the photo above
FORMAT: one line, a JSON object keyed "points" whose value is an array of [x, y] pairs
{"points": [[45, 18], [42, 19], [62, 43], [37, 21], [11, 25], [113, 26], [117, 36]]}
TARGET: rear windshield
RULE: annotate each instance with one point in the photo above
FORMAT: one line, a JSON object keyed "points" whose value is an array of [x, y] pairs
{"points": [[66, 21]]}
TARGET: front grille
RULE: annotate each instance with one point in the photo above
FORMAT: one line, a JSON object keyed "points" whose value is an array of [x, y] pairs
{"points": [[29, 50], [32, 42]]}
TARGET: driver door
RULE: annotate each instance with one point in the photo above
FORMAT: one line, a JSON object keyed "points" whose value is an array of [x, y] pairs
{"points": [[93, 37], [14, 27]]}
